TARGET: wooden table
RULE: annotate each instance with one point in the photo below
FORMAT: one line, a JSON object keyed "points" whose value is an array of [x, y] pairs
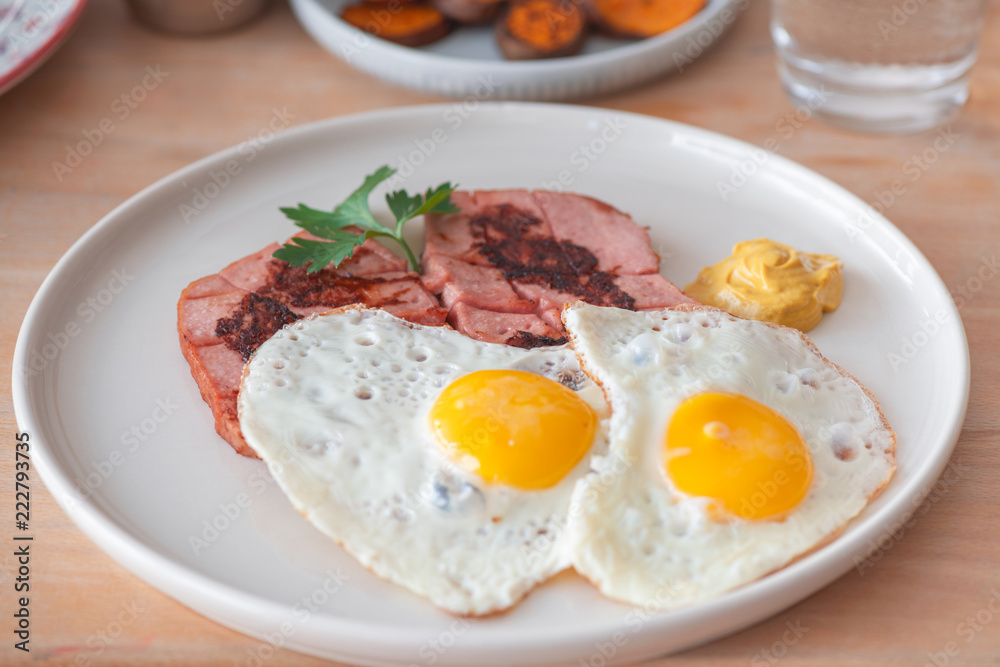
{"points": [[905, 611]]}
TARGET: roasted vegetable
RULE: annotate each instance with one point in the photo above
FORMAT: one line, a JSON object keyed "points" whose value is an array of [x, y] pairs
{"points": [[471, 12], [402, 23], [541, 29], [640, 19]]}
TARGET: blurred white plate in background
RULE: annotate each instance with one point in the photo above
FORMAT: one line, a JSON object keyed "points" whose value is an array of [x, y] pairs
{"points": [[468, 63]]}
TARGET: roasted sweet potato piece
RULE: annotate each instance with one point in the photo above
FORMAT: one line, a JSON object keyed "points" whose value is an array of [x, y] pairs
{"points": [[541, 29], [639, 19], [469, 11], [402, 23]]}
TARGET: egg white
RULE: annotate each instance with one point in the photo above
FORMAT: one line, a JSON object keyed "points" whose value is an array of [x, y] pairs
{"points": [[640, 540], [337, 406]]}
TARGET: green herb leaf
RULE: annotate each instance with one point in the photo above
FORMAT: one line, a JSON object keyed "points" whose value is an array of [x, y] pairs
{"points": [[318, 254], [402, 205], [438, 200], [338, 227], [354, 211], [316, 222]]}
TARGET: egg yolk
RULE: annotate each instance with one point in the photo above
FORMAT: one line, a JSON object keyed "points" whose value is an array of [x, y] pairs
{"points": [[739, 452], [513, 427]]}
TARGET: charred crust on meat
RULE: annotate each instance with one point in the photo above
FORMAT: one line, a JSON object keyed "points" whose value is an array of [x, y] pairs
{"points": [[256, 319], [603, 284], [528, 340], [262, 313], [506, 221], [511, 240], [581, 259], [295, 286]]}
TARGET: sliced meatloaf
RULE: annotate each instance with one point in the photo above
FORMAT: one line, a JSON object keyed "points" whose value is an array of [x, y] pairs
{"points": [[223, 318], [508, 261]]}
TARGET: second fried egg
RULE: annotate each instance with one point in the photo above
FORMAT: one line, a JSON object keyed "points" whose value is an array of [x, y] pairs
{"points": [[734, 447]]}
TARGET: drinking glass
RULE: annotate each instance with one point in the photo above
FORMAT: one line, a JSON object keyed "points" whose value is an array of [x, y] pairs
{"points": [[878, 65]]}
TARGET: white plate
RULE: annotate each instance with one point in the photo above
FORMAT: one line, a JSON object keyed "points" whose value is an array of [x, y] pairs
{"points": [[468, 63], [30, 32], [100, 384]]}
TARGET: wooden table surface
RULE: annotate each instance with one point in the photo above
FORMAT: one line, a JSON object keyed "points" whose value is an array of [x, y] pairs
{"points": [[907, 610]]}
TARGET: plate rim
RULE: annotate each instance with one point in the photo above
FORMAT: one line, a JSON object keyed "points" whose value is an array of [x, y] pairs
{"points": [[142, 559]]}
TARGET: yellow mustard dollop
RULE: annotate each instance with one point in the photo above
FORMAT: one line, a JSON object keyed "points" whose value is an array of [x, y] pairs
{"points": [[771, 282]]}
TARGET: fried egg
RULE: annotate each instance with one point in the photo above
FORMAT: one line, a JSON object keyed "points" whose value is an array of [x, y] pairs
{"points": [[734, 448], [441, 463]]}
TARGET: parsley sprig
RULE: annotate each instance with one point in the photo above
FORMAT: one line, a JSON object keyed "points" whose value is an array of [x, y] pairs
{"points": [[352, 223]]}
